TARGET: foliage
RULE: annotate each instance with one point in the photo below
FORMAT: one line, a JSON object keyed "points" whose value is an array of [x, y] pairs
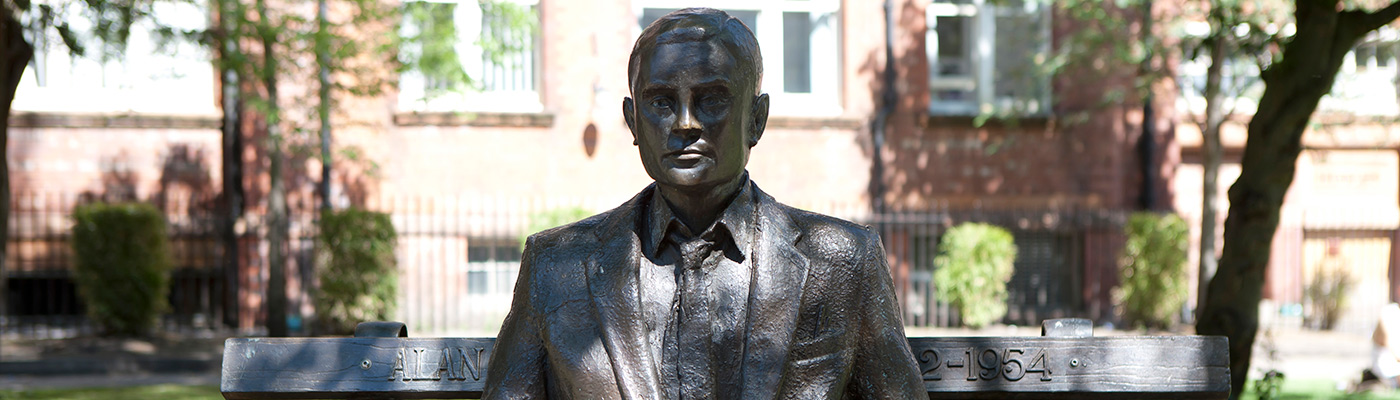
{"points": [[554, 217], [1327, 291], [121, 265], [357, 270], [974, 264], [1270, 387], [1153, 269]]}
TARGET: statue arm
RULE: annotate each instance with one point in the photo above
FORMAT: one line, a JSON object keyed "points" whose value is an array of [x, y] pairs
{"points": [[517, 365], [884, 365]]}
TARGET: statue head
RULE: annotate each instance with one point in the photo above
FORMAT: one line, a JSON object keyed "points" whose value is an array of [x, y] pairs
{"points": [[695, 77]]}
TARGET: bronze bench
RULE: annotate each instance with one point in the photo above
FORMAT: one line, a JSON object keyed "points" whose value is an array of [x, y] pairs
{"points": [[1065, 362]]}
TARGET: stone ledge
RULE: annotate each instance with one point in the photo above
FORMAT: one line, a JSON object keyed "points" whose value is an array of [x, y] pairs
{"points": [[518, 120], [98, 120], [815, 122]]}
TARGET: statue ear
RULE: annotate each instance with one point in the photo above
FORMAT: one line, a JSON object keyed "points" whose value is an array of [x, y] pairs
{"points": [[759, 113], [627, 114]]}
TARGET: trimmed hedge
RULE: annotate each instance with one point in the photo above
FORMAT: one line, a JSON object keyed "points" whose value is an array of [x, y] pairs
{"points": [[974, 264], [122, 265], [357, 269], [1153, 269]]}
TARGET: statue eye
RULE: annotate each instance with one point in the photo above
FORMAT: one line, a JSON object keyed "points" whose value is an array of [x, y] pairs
{"points": [[662, 102], [714, 101]]}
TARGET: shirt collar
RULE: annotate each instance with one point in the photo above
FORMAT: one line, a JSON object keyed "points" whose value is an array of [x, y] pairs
{"points": [[735, 220]]}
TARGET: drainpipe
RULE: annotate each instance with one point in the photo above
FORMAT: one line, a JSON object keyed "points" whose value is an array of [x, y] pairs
{"points": [[877, 129]]}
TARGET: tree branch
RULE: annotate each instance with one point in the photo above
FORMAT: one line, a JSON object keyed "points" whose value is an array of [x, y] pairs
{"points": [[1369, 21]]}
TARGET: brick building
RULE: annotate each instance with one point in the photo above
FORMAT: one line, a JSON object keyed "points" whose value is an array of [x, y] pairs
{"points": [[462, 173]]}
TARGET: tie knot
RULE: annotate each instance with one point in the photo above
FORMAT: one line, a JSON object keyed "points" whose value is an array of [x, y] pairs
{"points": [[693, 249]]}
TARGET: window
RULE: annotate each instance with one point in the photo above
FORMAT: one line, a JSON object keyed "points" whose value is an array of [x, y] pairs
{"points": [[492, 266], [798, 38], [1366, 84], [986, 58], [153, 75], [498, 55]]}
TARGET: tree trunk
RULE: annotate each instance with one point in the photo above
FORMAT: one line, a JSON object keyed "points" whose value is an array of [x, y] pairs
{"points": [[277, 192], [1293, 87], [14, 56], [1210, 143], [323, 108], [232, 172]]}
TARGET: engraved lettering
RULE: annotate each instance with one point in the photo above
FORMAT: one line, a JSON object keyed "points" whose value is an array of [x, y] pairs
{"points": [[398, 370], [1011, 365], [473, 368], [930, 357], [444, 364], [1038, 365], [971, 372], [418, 374], [990, 363]]}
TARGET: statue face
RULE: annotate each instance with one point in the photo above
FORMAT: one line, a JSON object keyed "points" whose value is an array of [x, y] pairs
{"points": [[693, 120]]}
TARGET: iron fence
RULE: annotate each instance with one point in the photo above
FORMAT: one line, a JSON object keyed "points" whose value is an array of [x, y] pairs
{"points": [[458, 258]]}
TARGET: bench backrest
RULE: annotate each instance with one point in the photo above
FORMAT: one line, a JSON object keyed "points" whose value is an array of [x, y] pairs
{"points": [[1065, 363]]}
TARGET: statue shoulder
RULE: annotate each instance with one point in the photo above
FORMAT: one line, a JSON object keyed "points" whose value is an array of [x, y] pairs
{"points": [[832, 237], [569, 236]]}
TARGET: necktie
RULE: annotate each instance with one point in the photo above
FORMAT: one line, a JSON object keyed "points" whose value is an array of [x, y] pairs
{"points": [[695, 372]]}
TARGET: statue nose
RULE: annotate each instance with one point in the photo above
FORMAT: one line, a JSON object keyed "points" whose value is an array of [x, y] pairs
{"points": [[685, 119]]}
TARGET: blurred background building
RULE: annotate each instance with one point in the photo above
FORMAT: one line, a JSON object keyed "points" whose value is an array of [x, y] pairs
{"points": [[1060, 161]]}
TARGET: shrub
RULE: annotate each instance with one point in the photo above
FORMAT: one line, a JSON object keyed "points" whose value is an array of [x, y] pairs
{"points": [[121, 265], [1327, 291], [357, 270], [553, 218], [1153, 269], [974, 264]]}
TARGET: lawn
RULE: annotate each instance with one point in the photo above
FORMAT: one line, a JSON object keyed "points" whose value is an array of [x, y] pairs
{"points": [[154, 392], [1306, 389]]}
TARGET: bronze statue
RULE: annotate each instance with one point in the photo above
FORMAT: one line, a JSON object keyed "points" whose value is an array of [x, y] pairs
{"points": [[702, 286]]}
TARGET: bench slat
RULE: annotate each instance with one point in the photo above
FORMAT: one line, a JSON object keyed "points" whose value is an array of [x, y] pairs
{"points": [[1177, 367]]}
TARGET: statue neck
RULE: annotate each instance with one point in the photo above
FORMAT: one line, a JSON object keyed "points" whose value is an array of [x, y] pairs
{"points": [[698, 208]]}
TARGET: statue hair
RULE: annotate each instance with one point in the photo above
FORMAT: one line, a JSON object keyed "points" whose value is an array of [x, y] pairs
{"points": [[701, 24]]}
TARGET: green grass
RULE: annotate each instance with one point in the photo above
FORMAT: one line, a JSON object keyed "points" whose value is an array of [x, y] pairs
{"points": [[1308, 389], [154, 392]]}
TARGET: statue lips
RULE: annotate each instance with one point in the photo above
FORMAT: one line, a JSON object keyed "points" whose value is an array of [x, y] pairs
{"points": [[689, 157]]}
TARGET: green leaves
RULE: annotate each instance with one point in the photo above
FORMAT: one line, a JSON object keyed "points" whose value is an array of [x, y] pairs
{"points": [[1153, 269], [974, 264], [356, 267], [121, 265]]}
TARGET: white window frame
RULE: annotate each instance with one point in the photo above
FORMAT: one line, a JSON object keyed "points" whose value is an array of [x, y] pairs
{"points": [[498, 270], [983, 58], [412, 95], [145, 79], [824, 100]]}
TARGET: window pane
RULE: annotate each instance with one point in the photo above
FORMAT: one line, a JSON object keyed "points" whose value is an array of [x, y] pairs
{"points": [[477, 282], [509, 56], [477, 253], [797, 52], [952, 60], [509, 253], [438, 61], [1018, 44]]}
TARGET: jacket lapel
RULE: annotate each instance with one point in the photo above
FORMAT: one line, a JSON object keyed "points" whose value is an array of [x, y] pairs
{"points": [[779, 277], [612, 283]]}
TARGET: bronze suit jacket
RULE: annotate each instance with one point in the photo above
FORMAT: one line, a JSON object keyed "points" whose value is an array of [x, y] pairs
{"points": [[822, 318]]}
